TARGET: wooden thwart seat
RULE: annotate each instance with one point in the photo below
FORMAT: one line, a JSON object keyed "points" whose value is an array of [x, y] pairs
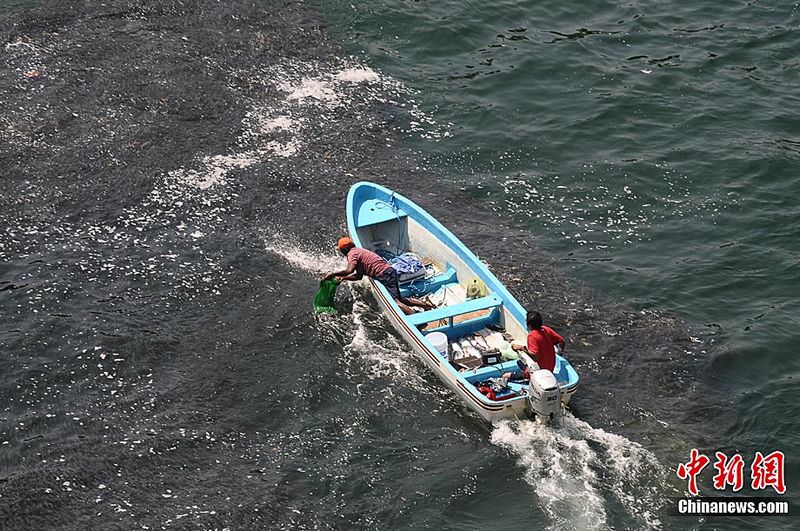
{"points": [[448, 312]]}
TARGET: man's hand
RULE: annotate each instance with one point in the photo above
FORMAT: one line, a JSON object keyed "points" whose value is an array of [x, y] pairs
{"points": [[327, 276]]}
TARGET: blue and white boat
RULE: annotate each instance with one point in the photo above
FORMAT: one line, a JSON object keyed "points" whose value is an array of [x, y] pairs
{"points": [[386, 222]]}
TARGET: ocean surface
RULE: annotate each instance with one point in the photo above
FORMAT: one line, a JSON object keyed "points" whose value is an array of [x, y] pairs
{"points": [[173, 178]]}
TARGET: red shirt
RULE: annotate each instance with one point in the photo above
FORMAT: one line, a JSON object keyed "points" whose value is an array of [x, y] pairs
{"points": [[542, 342], [366, 262]]}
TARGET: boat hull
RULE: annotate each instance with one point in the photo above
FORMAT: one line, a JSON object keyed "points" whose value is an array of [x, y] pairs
{"points": [[378, 218], [491, 411]]}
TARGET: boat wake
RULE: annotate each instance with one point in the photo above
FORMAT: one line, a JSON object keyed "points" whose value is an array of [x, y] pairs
{"points": [[581, 474]]}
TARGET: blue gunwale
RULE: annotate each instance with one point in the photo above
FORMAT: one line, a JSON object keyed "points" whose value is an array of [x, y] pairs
{"points": [[366, 191]]}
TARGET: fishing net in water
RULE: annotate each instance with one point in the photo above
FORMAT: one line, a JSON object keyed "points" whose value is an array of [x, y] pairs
{"points": [[323, 301]]}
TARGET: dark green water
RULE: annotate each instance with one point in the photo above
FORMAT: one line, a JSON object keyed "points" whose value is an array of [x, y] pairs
{"points": [[651, 147]]}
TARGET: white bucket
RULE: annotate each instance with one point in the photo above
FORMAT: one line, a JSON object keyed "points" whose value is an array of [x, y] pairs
{"points": [[439, 342]]}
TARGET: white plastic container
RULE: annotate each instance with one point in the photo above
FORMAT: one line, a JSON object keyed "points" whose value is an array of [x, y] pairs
{"points": [[439, 342]]}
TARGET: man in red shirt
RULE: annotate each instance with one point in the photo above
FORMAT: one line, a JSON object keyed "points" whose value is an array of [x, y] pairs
{"points": [[362, 262], [541, 344]]}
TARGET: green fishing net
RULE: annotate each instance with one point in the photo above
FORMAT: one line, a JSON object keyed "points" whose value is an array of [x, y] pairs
{"points": [[323, 301]]}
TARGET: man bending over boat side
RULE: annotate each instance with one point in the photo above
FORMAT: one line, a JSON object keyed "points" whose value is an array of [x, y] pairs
{"points": [[362, 262], [541, 344]]}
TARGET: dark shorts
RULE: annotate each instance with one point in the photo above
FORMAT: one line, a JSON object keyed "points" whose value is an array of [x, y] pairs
{"points": [[389, 279], [520, 374]]}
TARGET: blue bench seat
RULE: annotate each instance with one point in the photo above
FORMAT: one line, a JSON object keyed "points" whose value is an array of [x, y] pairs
{"points": [[491, 371], [489, 302]]}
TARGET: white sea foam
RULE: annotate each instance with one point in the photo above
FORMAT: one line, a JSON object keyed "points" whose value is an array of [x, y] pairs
{"points": [[314, 88], [283, 149], [574, 468], [281, 128], [279, 123], [358, 75], [214, 169]]}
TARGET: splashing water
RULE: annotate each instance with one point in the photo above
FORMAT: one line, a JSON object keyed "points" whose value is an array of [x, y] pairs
{"points": [[310, 261], [387, 354], [384, 352], [574, 468]]}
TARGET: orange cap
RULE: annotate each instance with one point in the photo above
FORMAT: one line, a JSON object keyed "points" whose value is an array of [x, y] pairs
{"points": [[344, 243]]}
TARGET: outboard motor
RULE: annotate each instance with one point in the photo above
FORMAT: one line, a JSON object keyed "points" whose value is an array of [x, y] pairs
{"points": [[544, 396]]}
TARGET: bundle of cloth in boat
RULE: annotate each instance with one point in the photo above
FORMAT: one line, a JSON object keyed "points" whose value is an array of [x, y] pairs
{"points": [[409, 266], [492, 387]]}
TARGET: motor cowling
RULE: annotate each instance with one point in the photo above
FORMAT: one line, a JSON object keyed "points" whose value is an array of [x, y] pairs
{"points": [[544, 396]]}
